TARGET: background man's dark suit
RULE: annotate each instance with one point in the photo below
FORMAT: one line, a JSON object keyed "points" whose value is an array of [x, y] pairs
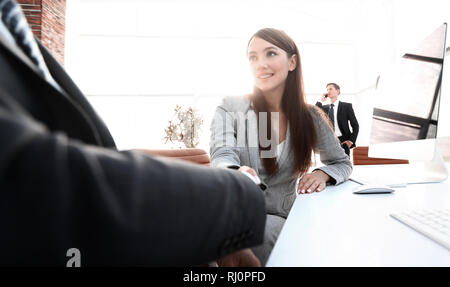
{"points": [[345, 115], [63, 184]]}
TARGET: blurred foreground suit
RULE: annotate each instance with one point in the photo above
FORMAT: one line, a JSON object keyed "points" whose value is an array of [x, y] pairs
{"points": [[64, 185]]}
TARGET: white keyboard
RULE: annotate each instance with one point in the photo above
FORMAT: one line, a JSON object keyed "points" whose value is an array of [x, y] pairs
{"points": [[435, 224]]}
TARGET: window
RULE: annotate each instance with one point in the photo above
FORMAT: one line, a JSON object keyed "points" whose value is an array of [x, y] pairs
{"points": [[137, 59]]}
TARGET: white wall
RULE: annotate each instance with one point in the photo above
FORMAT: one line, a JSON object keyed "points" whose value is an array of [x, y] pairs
{"points": [[136, 59]]}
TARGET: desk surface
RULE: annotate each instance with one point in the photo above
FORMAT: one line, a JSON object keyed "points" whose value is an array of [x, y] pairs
{"points": [[338, 228]]}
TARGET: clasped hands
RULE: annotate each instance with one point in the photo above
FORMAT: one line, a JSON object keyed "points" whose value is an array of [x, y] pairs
{"points": [[315, 181]]}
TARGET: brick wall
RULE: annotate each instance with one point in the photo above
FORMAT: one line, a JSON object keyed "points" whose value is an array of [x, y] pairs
{"points": [[47, 21]]}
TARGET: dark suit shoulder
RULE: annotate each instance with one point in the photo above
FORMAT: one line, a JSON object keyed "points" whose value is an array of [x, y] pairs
{"points": [[320, 105], [345, 104]]}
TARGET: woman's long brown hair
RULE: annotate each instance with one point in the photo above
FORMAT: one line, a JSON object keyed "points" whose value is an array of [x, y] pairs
{"points": [[303, 138]]}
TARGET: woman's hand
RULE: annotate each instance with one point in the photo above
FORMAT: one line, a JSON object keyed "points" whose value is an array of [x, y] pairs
{"points": [[315, 181]]}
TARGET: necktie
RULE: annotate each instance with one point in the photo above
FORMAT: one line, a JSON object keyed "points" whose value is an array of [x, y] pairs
{"points": [[14, 20], [331, 114]]}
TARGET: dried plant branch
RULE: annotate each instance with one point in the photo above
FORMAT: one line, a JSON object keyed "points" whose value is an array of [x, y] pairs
{"points": [[184, 127]]}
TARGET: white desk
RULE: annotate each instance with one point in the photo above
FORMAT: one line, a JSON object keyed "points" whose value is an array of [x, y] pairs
{"points": [[338, 228]]}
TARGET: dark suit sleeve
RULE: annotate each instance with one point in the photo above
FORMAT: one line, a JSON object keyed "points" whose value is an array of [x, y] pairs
{"points": [[117, 208], [319, 104], [324, 108], [353, 123]]}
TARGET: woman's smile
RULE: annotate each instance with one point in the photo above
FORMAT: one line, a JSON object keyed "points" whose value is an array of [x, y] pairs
{"points": [[265, 76]]}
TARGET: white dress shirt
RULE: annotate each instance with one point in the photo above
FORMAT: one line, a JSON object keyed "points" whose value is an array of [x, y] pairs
{"points": [[336, 126]]}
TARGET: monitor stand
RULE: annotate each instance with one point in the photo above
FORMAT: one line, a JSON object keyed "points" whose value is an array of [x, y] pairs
{"points": [[397, 175], [433, 170]]}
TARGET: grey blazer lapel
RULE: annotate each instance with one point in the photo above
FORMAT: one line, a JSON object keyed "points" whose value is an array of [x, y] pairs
{"points": [[252, 139], [285, 152]]}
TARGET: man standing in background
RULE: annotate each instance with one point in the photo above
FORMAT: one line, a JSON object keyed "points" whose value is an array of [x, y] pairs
{"points": [[340, 115]]}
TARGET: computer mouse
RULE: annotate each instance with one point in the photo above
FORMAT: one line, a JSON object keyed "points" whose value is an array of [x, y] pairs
{"points": [[372, 189]]}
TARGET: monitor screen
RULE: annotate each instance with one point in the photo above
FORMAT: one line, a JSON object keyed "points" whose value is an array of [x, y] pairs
{"points": [[406, 104]]}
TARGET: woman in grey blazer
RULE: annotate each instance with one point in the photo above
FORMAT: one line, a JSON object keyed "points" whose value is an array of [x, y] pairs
{"points": [[272, 133]]}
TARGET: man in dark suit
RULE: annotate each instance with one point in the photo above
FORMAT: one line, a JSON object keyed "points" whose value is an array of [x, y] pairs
{"points": [[64, 185], [340, 115]]}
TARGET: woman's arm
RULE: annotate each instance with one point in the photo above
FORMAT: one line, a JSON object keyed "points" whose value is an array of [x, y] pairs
{"points": [[337, 164], [223, 143]]}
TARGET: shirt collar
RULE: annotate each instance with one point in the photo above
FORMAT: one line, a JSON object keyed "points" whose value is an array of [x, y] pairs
{"points": [[4, 32]]}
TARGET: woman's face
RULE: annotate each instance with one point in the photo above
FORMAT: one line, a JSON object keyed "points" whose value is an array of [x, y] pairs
{"points": [[270, 65]]}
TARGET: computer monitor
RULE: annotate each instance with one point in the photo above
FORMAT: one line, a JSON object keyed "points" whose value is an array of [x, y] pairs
{"points": [[406, 110]]}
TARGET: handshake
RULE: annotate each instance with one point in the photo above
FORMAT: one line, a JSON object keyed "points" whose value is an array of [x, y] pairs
{"points": [[251, 173]]}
